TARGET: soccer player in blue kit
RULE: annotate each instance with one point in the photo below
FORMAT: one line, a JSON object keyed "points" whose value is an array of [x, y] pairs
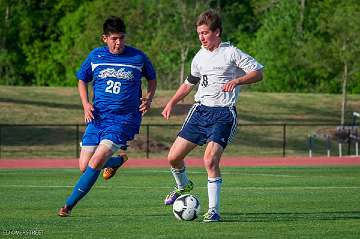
{"points": [[114, 118], [219, 69]]}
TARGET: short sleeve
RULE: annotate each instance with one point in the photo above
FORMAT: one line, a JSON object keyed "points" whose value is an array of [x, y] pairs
{"points": [[245, 62], [194, 67], [85, 71], [148, 69]]}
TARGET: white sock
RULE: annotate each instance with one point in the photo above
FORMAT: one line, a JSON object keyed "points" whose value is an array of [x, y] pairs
{"points": [[214, 188], [180, 177]]}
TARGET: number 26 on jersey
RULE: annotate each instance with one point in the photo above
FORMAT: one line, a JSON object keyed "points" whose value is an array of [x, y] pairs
{"points": [[113, 87]]}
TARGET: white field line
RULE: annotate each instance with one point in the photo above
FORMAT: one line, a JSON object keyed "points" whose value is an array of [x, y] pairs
{"points": [[223, 173], [204, 173], [240, 174]]}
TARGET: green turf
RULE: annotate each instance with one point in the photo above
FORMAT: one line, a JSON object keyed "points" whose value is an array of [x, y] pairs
{"points": [[256, 203]]}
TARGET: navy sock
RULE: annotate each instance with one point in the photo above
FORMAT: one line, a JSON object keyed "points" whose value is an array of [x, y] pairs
{"points": [[83, 186], [114, 162]]}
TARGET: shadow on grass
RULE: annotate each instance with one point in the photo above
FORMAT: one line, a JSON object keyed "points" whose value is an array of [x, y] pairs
{"points": [[180, 109], [41, 103], [31, 135], [275, 217]]}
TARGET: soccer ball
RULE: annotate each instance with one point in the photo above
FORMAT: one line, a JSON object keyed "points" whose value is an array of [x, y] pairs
{"points": [[186, 207]]}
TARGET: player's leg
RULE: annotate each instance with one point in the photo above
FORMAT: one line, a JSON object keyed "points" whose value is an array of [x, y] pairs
{"points": [[177, 153], [190, 136], [219, 135], [212, 157], [114, 163], [89, 143], [85, 155], [88, 178]]}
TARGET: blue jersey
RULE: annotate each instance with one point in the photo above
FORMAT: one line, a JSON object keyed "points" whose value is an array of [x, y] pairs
{"points": [[116, 80]]}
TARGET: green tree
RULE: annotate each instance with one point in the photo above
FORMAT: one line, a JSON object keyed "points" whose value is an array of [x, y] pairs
{"points": [[176, 35], [43, 61], [12, 59], [29, 29], [240, 23], [276, 44], [340, 25], [163, 32], [81, 30], [331, 47]]}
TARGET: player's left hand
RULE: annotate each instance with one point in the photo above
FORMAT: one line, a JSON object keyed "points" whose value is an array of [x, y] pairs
{"points": [[167, 111], [145, 105], [230, 86]]}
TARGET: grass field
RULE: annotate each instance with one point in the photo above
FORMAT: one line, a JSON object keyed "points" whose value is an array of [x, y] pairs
{"points": [[273, 202], [60, 105]]}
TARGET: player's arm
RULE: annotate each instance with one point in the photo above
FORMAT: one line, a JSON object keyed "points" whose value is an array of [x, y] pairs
{"points": [[146, 101], [180, 94], [84, 96], [250, 78]]}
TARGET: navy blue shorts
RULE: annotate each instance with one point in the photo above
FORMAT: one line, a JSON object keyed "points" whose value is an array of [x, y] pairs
{"points": [[204, 124]]}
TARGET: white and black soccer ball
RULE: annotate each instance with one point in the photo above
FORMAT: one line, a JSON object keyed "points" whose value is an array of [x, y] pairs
{"points": [[186, 207]]}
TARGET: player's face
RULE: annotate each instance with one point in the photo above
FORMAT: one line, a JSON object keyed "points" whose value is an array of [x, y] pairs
{"points": [[209, 39], [115, 42]]}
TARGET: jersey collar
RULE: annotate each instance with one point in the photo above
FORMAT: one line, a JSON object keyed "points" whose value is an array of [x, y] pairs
{"points": [[222, 44]]}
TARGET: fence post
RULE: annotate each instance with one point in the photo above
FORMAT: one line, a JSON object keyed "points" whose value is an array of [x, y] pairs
{"points": [[349, 146], [356, 143], [340, 149], [147, 141], [328, 145], [310, 145], [284, 140]]}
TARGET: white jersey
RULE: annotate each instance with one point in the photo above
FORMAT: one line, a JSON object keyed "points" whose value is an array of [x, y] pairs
{"points": [[215, 68]]}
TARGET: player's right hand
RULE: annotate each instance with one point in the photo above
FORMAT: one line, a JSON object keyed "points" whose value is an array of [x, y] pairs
{"points": [[88, 115]]}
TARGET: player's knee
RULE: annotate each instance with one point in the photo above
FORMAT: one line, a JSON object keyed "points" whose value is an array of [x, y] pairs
{"points": [[210, 164], [96, 163], [82, 166], [174, 160], [82, 169]]}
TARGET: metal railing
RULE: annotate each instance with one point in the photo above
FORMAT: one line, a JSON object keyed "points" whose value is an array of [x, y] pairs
{"points": [[154, 140]]}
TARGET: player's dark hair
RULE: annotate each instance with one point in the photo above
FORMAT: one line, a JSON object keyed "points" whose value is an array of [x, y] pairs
{"points": [[114, 25], [211, 19]]}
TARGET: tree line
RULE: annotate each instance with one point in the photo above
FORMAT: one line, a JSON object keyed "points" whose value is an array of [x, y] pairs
{"points": [[305, 45]]}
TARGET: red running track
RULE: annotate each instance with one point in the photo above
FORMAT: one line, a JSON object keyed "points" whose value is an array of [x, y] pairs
{"points": [[192, 162]]}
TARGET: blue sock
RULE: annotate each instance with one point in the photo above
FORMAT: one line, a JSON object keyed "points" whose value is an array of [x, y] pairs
{"points": [[114, 162], [83, 186]]}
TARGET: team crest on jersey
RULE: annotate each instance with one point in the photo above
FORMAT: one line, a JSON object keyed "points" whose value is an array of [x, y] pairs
{"points": [[120, 74], [219, 68]]}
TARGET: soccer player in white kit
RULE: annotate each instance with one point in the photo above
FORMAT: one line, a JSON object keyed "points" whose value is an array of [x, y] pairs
{"points": [[219, 68]]}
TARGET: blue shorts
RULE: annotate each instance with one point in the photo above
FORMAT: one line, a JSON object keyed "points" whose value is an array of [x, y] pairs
{"points": [[118, 132], [204, 124]]}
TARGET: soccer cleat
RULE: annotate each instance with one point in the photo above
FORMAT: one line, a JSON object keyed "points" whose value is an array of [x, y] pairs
{"points": [[64, 212], [211, 216], [170, 198], [110, 172]]}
